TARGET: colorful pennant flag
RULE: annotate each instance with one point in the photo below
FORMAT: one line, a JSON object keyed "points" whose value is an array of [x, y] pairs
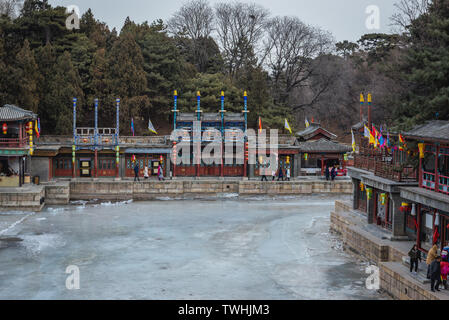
{"points": [[353, 141], [37, 127], [132, 126], [307, 123], [367, 133], [260, 125], [402, 142], [151, 127], [287, 126]]}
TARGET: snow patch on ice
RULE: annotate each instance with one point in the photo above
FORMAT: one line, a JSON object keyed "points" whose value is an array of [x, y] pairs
{"points": [[35, 244]]}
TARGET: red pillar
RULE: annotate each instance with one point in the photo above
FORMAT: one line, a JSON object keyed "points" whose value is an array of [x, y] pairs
{"points": [[418, 222], [175, 155], [96, 162], [437, 177], [222, 162], [420, 172], [322, 166]]}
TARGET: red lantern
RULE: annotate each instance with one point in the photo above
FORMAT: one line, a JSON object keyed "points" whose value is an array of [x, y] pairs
{"points": [[161, 158], [5, 128]]}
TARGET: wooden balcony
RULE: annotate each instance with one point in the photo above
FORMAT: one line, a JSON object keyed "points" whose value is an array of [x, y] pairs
{"points": [[395, 172], [13, 142], [385, 169]]}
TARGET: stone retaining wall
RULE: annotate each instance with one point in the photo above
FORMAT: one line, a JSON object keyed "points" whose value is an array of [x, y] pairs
{"points": [[26, 200], [394, 277], [58, 194], [148, 190]]}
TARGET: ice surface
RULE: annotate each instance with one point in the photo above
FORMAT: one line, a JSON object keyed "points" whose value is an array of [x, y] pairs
{"points": [[228, 248]]}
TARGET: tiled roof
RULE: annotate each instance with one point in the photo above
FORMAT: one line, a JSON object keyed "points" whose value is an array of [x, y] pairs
{"points": [[234, 117], [323, 145], [431, 130], [13, 113], [309, 132]]}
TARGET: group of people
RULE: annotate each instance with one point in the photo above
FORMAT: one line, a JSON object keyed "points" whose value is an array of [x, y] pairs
{"points": [[280, 175], [437, 265], [331, 173], [146, 175]]}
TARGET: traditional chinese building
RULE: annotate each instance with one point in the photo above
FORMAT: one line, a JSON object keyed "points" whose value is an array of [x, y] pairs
{"points": [[377, 176], [427, 204], [15, 145]]}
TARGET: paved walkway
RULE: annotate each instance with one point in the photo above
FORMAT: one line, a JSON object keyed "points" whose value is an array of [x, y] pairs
{"points": [[359, 219]]}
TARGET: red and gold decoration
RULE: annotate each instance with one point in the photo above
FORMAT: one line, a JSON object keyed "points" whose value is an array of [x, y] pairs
{"points": [[29, 128], [369, 193], [362, 186], [383, 198], [5, 128], [405, 207], [421, 147]]}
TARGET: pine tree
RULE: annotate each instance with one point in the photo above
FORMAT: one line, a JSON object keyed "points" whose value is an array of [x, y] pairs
{"points": [[127, 80], [27, 78]]}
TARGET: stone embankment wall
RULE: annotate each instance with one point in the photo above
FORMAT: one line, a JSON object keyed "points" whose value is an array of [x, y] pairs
{"points": [[23, 200], [148, 190], [395, 278]]}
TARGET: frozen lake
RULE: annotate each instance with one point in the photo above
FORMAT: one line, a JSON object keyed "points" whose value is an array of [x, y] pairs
{"points": [[180, 249]]}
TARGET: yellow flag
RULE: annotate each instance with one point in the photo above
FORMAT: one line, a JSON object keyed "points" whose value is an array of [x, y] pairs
{"points": [[287, 126], [307, 123], [353, 141]]}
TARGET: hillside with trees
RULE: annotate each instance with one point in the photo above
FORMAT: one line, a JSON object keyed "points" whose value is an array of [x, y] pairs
{"points": [[290, 69]]}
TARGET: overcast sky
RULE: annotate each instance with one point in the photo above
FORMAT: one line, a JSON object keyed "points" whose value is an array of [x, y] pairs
{"points": [[344, 18]]}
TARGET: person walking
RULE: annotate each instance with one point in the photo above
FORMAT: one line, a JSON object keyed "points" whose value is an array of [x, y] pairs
{"points": [[333, 173], [435, 274], [414, 255], [145, 173], [281, 174], [264, 173], [273, 174], [136, 172], [431, 255], [160, 173], [327, 173], [288, 174]]}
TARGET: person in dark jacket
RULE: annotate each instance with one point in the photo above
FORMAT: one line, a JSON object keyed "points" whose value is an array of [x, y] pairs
{"points": [[281, 174], [328, 173], [136, 172], [414, 255], [435, 274]]}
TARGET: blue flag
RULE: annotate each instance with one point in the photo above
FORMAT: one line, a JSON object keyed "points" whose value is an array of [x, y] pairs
{"points": [[132, 126]]}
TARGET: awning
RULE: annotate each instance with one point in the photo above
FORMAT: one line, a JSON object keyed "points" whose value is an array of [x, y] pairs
{"points": [[148, 150]]}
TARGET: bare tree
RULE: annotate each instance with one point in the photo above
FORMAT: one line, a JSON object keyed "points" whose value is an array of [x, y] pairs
{"points": [[194, 19], [240, 28], [292, 50], [10, 7], [408, 10]]}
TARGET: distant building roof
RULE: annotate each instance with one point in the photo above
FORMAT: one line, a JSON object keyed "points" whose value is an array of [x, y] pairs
{"points": [[234, 117], [211, 117], [13, 113], [431, 130], [324, 145], [313, 130], [186, 117]]}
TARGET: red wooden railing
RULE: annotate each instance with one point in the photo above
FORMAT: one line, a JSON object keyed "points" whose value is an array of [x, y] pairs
{"points": [[443, 184], [395, 172], [13, 142]]}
